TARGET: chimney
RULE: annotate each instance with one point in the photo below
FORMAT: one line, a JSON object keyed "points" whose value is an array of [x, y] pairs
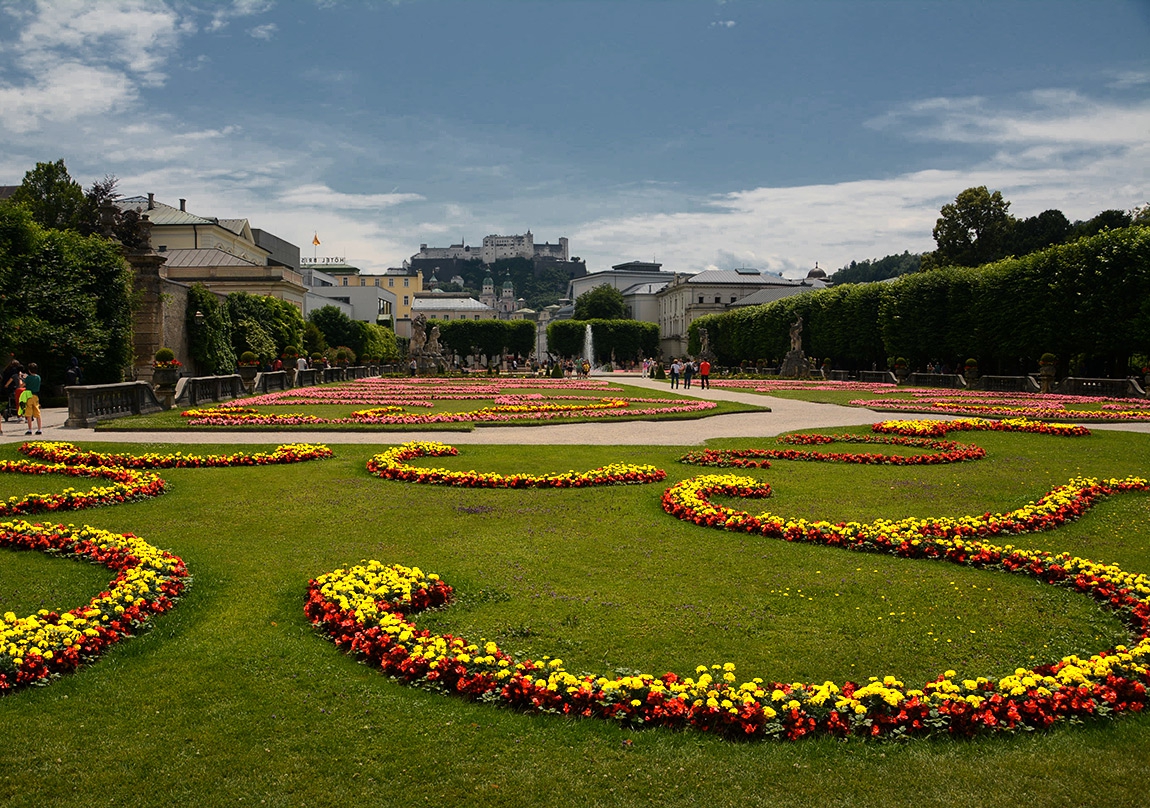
{"points": [[182, 203], [151, 201]]}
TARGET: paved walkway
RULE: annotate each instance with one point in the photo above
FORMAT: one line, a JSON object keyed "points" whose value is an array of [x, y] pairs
{"points": [[786, 415]]}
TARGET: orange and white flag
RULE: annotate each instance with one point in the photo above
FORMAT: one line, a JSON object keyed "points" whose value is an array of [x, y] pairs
{"points": [[315, 239]]}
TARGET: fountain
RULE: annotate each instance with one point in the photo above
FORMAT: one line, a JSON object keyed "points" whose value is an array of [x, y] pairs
{"points": [[588, 345]]}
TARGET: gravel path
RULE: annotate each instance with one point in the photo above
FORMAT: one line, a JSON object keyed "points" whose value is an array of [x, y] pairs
{"points": [[786, 415]]}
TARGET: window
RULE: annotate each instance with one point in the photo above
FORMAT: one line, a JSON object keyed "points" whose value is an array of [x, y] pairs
{"points": [[377, 281], [718, 299], [405, 281], [733, 298], [477, 317], [405, 300], [447, 317], [700, 298], [391, 281], [363, 281], [345, 280]]}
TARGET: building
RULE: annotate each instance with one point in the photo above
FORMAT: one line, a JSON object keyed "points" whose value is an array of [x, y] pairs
{"points": [[637, 280], [503, 302], [688, 297], [450, 306], [222, 254], [367, 302]]}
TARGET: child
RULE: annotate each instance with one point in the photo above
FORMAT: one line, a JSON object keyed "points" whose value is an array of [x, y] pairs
{"points": [[32, 403]]}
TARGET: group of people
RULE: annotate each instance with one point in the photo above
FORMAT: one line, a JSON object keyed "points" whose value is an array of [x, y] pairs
{"points": [[22, 389], [686, 369]]}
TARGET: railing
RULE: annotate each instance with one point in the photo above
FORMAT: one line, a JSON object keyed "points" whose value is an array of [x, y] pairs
{"points": [[839, 375], [1112, 388], [88, 404], [877, 377], [210, 388], [334, 375], [1008, 384], [272, 380], [949, 380]]}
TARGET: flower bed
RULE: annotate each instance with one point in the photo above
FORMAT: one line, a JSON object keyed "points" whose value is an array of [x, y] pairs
{"points": [[123, 485], [944, 451], [929, 428], [71, 455], [392, 465], [148, 581], [1006, 405]]}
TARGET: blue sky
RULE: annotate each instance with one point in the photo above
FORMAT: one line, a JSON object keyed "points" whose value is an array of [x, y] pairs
{"points": [[698, 134]]}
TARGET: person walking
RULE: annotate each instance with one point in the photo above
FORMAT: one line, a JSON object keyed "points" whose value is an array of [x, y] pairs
{"points": [[32, 402], [688, 373], [705, 374], [676, 368]]}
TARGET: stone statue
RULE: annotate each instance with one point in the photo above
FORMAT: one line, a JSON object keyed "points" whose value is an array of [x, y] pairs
{"points": [[432, 347], [704, 342], [797, 334], [418, 335]]}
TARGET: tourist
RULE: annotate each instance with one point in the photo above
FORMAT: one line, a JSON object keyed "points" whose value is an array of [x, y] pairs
{"points": [[301, 363], [31, 398], [675, 369], [74, 374], [705, 374], [688, 372], [412, 366]]}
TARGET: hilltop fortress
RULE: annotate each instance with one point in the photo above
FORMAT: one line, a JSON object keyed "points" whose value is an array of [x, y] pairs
{"points": [[496, 248]]}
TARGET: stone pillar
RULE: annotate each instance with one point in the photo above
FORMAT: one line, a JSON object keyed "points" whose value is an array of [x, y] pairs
{"points": [[148, 332]]}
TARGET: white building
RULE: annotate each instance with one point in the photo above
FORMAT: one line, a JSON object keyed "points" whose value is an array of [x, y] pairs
{"points": [[450, 306]]}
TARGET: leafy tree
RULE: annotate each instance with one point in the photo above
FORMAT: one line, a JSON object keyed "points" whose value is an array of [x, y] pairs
{"points": [[313, 341], [1106, 220], [1039, 232], [878, 269], [379, 342], [565, 337], [210, 334], [338, 328], [63, 295], [55, 200], [458, 336], [973, 230], [263, 324], [604, 302]]}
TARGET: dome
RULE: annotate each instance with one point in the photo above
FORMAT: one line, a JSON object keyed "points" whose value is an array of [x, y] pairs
{"points": [[816, 273]]}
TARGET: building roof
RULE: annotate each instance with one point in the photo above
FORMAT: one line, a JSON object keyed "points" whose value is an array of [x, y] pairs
{"points": [[644, 288], [742, 277], [770, 294], [162, 214], [204, 258], [638, 266], [445, 303]]}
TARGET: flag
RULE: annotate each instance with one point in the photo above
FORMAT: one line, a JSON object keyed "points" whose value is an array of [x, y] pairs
{"points": [[315, 239]]}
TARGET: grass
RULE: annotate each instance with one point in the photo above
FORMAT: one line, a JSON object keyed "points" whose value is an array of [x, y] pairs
{"points": [[171, 420], [233, 699]]}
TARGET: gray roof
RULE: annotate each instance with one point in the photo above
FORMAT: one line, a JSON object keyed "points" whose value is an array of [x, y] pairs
{"points": [[161, 213], [644, 288], [741, 276], [448, 304], [772, 293], [204, 258]]}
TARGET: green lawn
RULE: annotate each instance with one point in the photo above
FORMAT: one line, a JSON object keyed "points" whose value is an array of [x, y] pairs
{"points": [[233, 699]]}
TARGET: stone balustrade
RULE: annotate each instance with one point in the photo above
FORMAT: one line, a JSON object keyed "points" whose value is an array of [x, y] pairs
{"points": [[88, 404]]}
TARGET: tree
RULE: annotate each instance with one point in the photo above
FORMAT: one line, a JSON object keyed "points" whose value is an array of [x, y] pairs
{"points": [[63, 295], [1039, 232], [973, 230], [55, 200], [338, 328], [604, 302], [209, 331]]}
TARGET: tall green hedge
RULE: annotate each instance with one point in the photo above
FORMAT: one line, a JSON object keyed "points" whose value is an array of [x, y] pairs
{"points": [[1088, 302], [628, 339]]}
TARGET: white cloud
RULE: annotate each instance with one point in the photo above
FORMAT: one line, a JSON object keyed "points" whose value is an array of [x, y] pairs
{"points": [[63, 93], [264, 32], [320, 196], [222, 17], [723, 24]]}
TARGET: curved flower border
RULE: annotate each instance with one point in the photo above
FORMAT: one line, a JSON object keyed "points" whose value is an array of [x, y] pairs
{"points": [[392, 465], [71, 455], [148, 581], [124, 485], [945, 451], [925, 427], [364, 611]]}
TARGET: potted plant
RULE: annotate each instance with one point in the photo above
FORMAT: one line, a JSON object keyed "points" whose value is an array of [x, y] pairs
{"points": [[900, 369], [249, 366], [970, 370], [165, 368]]}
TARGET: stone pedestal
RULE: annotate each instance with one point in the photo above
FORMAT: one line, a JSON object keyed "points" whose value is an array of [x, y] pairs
{"points": [[1046, 374], [795, 366], [248, 376]]}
